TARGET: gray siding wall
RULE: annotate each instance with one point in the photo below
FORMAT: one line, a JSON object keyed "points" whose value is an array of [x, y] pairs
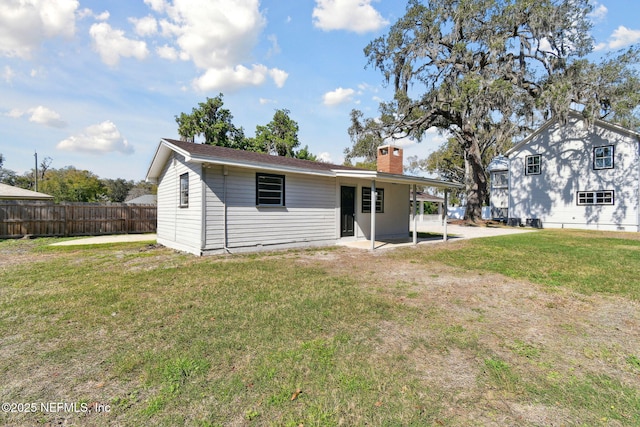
{"points": [[393, 222], [179, 227], [566, 168], [307, 218]]}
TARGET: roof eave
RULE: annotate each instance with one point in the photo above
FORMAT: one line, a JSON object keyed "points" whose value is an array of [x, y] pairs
{"points": [[398, 179]]}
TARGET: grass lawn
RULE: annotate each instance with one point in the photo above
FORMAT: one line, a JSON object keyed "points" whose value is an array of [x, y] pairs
{"points": [[531, 329]]}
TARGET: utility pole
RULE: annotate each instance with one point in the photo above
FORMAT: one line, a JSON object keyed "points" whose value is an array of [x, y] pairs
{"points": [[36, 175]]}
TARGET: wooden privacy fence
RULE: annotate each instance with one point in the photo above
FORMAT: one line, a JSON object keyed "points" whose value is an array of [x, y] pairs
{"points": [[22, 218]]}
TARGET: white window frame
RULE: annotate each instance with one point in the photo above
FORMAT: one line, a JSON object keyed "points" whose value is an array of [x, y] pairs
{"points": [[500, 183], [600, 197], [603, 159], [531, 167], [184, 190], [270, 190]]}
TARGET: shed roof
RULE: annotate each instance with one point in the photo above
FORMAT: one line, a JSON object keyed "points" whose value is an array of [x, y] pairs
{"points": [[211, 154], [9, 192]]}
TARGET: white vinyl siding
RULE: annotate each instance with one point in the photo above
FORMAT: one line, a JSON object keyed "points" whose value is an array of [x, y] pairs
{"points": [[309, 214], [394, 221], [554, 196], [214, 208], [175, 224]]}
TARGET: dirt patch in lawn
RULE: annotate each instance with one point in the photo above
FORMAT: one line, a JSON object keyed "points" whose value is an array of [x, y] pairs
{"points": [[461, 324]]}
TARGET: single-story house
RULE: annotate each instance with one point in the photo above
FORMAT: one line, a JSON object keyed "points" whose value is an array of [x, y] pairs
{"points": [[573, 175], [9, 192], [214, 199]]}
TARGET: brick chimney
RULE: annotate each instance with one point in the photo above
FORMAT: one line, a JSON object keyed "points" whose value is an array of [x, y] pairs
{"points": [[390, 159]]}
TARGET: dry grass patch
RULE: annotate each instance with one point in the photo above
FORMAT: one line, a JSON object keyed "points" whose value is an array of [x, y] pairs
{"points": [[317, 337]]}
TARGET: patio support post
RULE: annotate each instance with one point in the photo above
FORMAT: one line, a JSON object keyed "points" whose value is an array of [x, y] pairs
{"points": [[445, 214], [415, 215], [374, 200]]}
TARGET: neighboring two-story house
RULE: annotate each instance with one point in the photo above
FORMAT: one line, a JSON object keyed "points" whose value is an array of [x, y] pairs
{"points": [[570, 175]]}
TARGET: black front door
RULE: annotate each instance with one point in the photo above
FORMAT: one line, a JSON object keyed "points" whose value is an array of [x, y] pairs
{"points": [[347, 210]]}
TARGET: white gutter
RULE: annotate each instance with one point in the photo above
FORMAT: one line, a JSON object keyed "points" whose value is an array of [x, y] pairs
{"points": [[396, 179]]}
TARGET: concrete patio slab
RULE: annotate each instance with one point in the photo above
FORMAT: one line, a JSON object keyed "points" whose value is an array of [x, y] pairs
{"points": [[116, 238]]}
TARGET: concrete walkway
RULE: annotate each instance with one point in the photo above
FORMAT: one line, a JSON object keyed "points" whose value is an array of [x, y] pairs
{"points": [[116, 238], [469, 232], [454, 232]]}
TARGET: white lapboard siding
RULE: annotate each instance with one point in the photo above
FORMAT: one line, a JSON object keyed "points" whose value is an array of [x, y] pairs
{"points": [[179, 227], [394, 220], [567, 168], [307, 217], [213, 177]]}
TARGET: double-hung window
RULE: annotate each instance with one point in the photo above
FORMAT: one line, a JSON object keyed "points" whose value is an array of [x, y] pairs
{"points": [[604, 197], [184, 190], [366, 200], [603, 157], [269, 190], [532, 165]]}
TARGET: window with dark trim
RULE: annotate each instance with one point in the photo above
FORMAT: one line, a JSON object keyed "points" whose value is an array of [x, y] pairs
{"points": [[532, 165], [366, 200], [184, 190], [603, 157], [269, 190], [604, 197]]}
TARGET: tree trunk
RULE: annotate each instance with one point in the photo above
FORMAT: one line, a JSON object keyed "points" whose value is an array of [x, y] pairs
{"points": [[475, 178]]}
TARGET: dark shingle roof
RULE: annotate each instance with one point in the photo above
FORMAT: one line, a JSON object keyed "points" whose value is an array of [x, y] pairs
{"points": [[215, 152]]}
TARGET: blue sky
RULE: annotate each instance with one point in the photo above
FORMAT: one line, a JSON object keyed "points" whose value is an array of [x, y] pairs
{"points": [[96, 84]]}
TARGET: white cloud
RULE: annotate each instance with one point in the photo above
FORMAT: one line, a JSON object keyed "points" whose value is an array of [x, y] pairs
{"points": [[279, 76], [167, 52], [237, 77], [97, 139], [219, 37], [41, 115], [24, 25], [44, 116], [265, 101], [216, 33], [15, 113], [156, 5], [324, 157], [621, 37], [275, 48], [97, 16], [111, 44], [338, 96], [147, 26], [8, 74], [599, 12], [351, 15]]}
